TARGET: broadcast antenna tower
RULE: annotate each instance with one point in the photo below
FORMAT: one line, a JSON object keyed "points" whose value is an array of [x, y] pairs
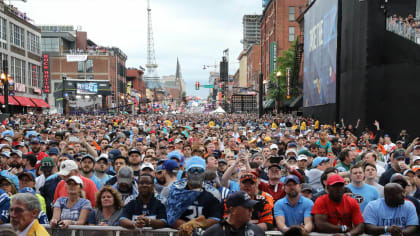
{"points": [[151, 77]]}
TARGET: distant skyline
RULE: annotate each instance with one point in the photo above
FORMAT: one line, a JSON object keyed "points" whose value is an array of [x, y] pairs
{"points": [[196, 32]]}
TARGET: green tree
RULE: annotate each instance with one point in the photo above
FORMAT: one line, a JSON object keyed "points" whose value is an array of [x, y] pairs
{"points": [[287, 60]]}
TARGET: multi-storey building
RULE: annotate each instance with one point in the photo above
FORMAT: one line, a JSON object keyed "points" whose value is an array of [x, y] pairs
{"points": [[20, 53], [251, 30]]}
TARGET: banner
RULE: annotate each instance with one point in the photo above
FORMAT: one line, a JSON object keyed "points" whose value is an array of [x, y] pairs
{"points": [[320, 54], [73, 58], [46, 79], [273, 56]]}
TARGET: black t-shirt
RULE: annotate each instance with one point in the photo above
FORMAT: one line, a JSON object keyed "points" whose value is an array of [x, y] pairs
{"points": [[154, 209], [225, 229], [205, 204]]}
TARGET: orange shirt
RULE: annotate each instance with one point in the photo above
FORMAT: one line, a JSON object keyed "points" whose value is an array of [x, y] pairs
{"points": [[88, 186]]}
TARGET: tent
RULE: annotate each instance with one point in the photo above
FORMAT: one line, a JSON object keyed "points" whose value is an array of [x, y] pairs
{"points": [[218, 110]]}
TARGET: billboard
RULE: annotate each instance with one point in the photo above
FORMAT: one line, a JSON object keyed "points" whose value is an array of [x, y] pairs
{"points": [[320, 54], [87, 88]]}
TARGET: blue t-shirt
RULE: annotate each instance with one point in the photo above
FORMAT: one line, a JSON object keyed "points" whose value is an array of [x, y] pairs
{"points": [[74, 212], [364, 195], [293, 215], [4, 206], [97, 181], [233, 186], [378, 213]]}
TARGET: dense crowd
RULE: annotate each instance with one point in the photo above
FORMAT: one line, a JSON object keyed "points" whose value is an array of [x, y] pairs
{"points": [[210, 174], [407, 27]]}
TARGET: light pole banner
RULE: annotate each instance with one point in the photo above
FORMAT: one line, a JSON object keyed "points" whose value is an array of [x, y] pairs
{"points": [[73, 58]]}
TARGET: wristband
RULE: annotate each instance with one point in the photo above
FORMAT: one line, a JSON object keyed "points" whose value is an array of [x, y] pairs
{"points": [[385, 228]]}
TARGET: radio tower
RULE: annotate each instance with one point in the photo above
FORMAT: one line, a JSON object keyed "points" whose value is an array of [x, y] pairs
{"points": [[151, 77]]}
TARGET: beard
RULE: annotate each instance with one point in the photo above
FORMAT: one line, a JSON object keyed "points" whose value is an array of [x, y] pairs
{"points": [[195, 180], [293, 194], [15, 164]]}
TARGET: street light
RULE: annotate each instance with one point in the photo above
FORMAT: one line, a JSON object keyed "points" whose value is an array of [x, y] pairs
{"points": [[278, 75], [4, 78]]}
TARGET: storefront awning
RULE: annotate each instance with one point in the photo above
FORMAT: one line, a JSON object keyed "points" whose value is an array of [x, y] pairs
{"points": [[40, 103], [24, 101], [11, 101]]}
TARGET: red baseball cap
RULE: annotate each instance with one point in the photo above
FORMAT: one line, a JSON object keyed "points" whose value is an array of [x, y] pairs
{"points": [[333, 179]]}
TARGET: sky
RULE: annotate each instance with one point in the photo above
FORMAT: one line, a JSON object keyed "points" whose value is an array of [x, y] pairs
{"points": [[195, 31]]}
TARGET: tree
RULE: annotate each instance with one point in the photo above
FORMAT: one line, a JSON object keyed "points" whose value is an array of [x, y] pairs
{"points": [[287, 60]]}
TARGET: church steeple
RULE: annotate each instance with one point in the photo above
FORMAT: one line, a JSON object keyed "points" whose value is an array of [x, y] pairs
{"points": [[178, 75]]}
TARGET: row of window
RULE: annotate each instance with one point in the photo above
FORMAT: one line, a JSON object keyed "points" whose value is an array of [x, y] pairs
{"points": [[85, 66], [18, 68], [17, 36]]}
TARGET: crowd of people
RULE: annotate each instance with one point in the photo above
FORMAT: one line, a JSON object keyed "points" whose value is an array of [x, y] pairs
{"points": [[407, 27], [206, 174]]}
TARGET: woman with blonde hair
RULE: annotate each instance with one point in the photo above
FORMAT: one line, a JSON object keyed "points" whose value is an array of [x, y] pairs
{"points": [[108, 208]]}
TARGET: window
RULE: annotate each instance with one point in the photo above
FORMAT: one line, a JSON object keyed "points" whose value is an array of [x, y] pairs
{"points": [[17, 36], [291, 34], [89, 66], [292, 16], [18, 71], [81, 66], [3, 27], [34, 75], [50, 45], [33, 43]]}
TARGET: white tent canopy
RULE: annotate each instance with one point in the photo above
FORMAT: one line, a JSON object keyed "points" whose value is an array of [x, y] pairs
{"points": [[218, 110]]}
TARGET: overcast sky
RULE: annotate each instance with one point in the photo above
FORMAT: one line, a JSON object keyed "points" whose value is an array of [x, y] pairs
{"points": [[195, 31]]}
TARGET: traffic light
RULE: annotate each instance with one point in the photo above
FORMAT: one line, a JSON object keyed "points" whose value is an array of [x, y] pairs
{"points": [[197, 85]]}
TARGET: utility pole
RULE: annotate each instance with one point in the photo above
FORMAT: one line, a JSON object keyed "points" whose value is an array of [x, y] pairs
{"points": [[5, 80], [64, 79]]}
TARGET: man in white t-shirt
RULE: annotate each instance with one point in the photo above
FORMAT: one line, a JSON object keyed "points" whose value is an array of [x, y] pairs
{"points": [[389, 146]]}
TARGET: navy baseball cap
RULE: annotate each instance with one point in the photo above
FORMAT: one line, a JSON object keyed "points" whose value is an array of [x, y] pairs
{"points": [[291, 178], [240, 198], [134, 150], [170, 165], [53, 151], [113, 154]]}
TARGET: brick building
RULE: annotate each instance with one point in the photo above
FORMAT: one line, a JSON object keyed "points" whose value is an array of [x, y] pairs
{"points": [[73, 56], [278, 30], [254, 66], [136, 84]]}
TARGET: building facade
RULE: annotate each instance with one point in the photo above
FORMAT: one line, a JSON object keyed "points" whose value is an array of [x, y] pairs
{"points": [[279, 30], [251, 30], [254, 66], [20, 50], [75, 57]]}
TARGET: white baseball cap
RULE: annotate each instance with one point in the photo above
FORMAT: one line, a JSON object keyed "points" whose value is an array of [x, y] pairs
{"points": [[147, 165], [302, 157], [66, 167], [274, 146], [76, 179]]}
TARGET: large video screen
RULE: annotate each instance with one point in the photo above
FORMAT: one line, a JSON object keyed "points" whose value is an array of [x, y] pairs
{"points": [[320, 53], [87, 88]]}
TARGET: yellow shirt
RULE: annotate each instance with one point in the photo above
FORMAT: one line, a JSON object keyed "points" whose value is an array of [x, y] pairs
{"points": [[303, 126]]}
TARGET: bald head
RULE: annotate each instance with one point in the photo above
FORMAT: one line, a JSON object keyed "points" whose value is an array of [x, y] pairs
{"points": [[394, 194]]}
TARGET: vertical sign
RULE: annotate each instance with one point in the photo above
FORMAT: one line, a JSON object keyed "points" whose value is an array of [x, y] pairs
{"points": [[273, 56], [46, 73], [288, 83]]}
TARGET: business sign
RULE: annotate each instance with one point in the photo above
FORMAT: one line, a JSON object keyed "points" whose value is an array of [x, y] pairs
{"points": [[20, 87], [87, 88], [46, 78], [75, 58], [320, 54], [273, 56]]}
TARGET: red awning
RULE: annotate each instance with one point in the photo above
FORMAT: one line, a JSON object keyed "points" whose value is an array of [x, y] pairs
{"points": [[24, 101], [11, 101], [40, 103]]}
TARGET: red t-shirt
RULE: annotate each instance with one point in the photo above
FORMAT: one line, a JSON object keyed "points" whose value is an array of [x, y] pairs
{"points": [[347, 212], [88, 186], [40, 156]]}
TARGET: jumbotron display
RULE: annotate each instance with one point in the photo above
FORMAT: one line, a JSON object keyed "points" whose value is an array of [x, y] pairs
{"points": [[320, 53]]}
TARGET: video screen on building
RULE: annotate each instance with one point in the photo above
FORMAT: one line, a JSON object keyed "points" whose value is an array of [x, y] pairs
{"points": [[87, 88], [320, 53]]}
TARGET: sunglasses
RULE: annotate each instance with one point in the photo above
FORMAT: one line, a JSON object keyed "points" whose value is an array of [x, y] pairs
{"points": [[196, 170]]}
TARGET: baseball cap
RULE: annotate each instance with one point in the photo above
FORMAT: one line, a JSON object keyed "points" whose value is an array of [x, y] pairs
{"points": [[76, 179], [399, 155], [113, 154], [417, 146], [53, 151], [6, 154], [31, 133], [8, 139], [67, 166], [398, 178], [291, 178], [274, 146], [334, 179], [416, 158], [35, 141], [305, 187], [125, 175], [319, 160], [408, 171], [147, 165], [28, 174], [248, 176], [102, 157], [178, 140], [415, 168], [302, 157], [177, 155], [222, 161], [240, 198], [291, 151], [291, 144], [217, 154], [195, 161], [88, 156], [27, 190], [292, 157], [134, 150], [170, 165], [17, 152], [47, 162]]}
